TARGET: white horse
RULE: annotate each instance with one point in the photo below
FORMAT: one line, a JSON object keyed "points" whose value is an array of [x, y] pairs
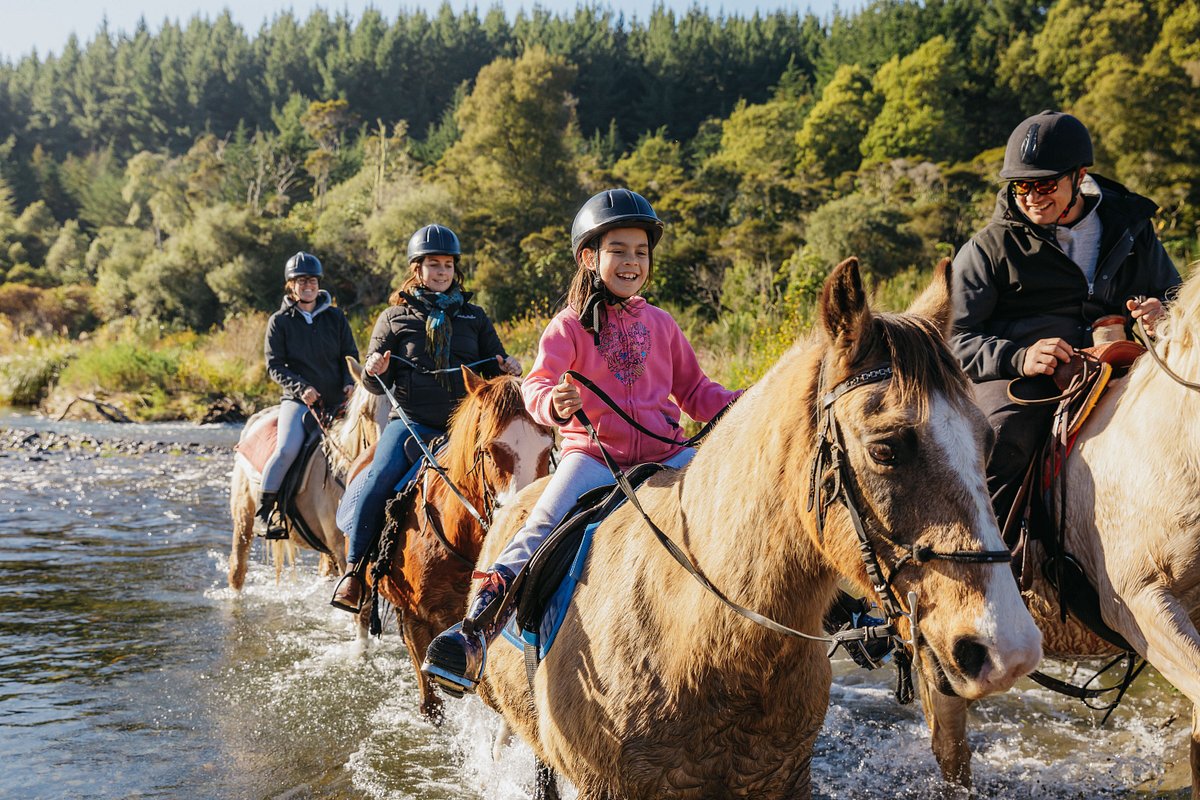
{"points": [[1133, 523], [321, 487]]}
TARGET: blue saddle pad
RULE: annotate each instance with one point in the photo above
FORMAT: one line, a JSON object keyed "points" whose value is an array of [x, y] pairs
{"points": [[560, 601], [353, 494]]}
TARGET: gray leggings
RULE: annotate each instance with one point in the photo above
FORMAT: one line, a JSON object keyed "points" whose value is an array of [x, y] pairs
{"points": [[287, 445], [576, 474]]}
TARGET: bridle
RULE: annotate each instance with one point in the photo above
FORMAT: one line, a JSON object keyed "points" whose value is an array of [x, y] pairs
{"points": [[831, 479]]}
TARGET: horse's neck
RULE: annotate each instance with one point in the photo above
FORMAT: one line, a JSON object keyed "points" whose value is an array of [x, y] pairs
{"points": [[743, 500], [460, 526]]}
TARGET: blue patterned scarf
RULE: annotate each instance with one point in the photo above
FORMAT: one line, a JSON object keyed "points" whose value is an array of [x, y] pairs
{"points": [[440, 308]]}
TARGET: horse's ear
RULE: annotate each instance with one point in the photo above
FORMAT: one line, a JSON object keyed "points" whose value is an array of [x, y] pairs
{"points": [[473, 382], [356, 369], [934, 302], [844, 312]]}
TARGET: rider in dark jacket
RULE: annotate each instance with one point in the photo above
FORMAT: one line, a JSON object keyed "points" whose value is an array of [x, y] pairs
{"points": [[306, 346], [418, 345], [1062, 250]]}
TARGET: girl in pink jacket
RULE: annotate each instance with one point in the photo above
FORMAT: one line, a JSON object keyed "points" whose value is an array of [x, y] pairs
{"points": [[633, 351]]}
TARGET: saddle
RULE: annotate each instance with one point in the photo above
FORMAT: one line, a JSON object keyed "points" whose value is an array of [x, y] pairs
{"points": [[258, 447], [1082, 382], [557, 564]]}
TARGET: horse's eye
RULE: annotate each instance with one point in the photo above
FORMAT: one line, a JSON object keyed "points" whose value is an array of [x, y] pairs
{"points": [[882, 453]]}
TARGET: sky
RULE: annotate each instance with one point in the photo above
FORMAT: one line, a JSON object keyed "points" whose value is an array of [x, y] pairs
{"points": [[46, 24]]}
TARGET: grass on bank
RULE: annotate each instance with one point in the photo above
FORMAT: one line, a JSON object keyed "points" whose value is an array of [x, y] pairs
{"points": [[152, 373]]}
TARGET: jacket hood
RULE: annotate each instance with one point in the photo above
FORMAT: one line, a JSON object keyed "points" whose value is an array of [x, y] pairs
{"points": [[324, 301]]}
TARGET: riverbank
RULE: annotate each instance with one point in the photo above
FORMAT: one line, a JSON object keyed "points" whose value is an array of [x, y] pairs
{"points": [[35, 443]]}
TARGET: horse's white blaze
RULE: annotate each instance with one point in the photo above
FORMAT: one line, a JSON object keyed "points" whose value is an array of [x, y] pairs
{"points": [[1003, 625], [526, 443]]}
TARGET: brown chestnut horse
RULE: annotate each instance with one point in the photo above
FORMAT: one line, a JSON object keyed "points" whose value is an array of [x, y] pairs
{"points": [[1133, 523], [654, 689], [495, 450], [317, 500]]}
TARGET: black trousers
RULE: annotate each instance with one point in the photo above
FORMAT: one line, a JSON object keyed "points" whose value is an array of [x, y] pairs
{"points": [[1020, 433]]}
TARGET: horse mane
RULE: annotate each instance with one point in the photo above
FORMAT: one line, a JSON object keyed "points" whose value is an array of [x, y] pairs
{"points": [[469, 425], [355, 432], [1183, 315]]}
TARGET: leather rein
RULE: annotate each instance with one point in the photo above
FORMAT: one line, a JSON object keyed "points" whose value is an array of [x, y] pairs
{"points": [[830, 451], [1149, 342]]}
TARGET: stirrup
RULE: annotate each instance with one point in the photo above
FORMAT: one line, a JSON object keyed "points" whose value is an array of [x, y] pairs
{"points": [[338, 604], [455, 661]]}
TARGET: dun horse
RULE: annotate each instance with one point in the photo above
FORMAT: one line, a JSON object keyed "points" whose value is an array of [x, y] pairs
{"points": [[495, 450], [655, 690], [1133, 523], [320, 490]]}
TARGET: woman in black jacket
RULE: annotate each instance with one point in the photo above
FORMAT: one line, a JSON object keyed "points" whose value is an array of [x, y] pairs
{"points": [[418, 344], [306, 346]]}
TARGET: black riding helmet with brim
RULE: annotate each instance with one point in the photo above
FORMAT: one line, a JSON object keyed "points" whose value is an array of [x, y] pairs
{"points": [[433, 240], [302, 264], [1047, 144], [614, 208]]}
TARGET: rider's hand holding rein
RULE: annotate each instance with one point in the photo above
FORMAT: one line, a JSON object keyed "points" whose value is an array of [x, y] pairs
{"points": [[565, 398], [377, 363], [310, 396], [1042, 357], [1150, 310], [509, 365]]}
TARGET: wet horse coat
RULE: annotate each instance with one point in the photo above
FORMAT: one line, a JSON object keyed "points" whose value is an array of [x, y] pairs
{"points": [[655, 690]]}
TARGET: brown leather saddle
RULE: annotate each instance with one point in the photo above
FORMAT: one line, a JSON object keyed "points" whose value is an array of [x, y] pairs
{"points": [[1082, 382]]}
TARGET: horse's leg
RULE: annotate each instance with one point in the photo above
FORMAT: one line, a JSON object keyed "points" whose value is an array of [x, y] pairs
{"points": [[1169, 640], [545, 787], [241, 509], [417, 636], [503, 736], [947, 719], [1195, 752]]}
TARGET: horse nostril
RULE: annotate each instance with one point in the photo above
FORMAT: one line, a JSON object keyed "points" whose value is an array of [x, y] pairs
{"points": [[970, 656]]}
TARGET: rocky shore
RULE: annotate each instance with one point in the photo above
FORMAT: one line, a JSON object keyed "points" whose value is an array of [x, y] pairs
{"points": [[37, 444]]}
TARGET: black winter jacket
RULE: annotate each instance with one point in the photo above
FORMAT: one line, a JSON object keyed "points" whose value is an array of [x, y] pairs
{"points": [[1013, 284], [424, 396], [300, 354]]}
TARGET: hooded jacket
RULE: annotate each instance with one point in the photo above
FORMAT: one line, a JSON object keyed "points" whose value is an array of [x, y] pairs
{"points": [[1013, 285], [644, 363], [302, 353], [428, 398]]}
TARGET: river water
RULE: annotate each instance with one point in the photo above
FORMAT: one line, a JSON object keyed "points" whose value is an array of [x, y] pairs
{"points": [[129, 670]]}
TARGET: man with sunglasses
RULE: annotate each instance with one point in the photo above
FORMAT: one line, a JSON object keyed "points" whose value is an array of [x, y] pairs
{"points": [[1063, 249]]}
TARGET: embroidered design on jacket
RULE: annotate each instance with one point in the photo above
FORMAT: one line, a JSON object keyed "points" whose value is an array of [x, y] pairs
{"points": [[625, 351]]}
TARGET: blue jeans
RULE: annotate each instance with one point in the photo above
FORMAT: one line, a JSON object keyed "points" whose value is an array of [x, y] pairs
{"points": [[395, 455], [576, 474], [294, 421]]}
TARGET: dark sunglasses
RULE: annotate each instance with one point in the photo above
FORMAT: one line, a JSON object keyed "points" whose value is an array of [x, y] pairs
{"points": [[1041, 185]]}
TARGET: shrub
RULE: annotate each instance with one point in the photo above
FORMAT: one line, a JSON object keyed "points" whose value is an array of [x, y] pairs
{"points": [[25, 379]]}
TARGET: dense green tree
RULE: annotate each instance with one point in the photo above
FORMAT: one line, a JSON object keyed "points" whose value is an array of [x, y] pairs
{"points": [[828, 143], [922, 115]]}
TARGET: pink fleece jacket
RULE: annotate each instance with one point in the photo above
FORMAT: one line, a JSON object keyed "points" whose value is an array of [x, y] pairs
{"points": [[646, 366]]}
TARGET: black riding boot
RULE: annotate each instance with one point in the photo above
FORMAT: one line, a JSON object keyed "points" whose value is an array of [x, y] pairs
{"points": [[269, 517], [456, 657]]}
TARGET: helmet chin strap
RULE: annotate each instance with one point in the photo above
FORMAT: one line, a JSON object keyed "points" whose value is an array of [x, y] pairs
{"points": [[1076, 182]]}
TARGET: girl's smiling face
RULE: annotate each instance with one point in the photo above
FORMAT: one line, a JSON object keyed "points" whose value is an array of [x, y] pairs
{"points": [[625, 260]]}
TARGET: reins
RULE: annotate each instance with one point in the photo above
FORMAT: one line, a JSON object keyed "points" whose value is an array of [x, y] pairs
{"points": [[433, 462], [1148, 341], [620, 412], [831, 450]]}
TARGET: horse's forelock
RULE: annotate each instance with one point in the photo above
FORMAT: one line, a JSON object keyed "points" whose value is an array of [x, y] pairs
{"points": [[922, 364]]}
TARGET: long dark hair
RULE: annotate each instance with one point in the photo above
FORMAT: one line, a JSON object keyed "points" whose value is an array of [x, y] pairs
{"points": [[414, 280], [585, 283]]}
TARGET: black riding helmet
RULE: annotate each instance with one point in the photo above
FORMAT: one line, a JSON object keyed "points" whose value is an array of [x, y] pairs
{"points": [[433, 240], [1046, 144], [302, 264], [614, 208]]}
